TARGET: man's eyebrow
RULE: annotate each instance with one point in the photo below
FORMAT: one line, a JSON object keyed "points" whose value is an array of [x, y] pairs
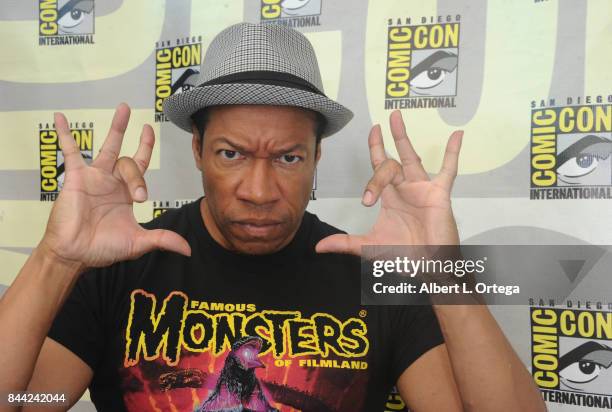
{"points": [[244, 150], [297, 146], [236, 146]]}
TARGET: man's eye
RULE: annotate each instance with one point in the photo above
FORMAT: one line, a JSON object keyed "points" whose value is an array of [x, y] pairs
{"points": [[229, 154], [290, 159]]}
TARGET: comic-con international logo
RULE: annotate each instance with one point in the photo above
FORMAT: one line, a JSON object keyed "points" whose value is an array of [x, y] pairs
{"points": [[162, 206], [422, 63], [62, 22], [292, 13], [177, 66], [52, 158], [571, 355], [571, 147]]}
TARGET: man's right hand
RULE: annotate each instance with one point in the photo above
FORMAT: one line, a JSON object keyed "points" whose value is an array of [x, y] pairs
{"points": [[92, 223]]}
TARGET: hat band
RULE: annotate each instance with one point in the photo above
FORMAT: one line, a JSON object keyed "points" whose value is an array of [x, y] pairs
{"points": [[265, 77]]}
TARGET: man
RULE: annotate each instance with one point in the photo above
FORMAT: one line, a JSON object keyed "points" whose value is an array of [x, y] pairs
{"points": [[241, 300]]}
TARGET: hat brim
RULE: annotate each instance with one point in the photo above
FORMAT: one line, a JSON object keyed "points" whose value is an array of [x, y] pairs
{"points": [[181, 106]]}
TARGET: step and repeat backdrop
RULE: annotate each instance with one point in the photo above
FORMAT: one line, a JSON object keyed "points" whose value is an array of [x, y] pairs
{"points": [[527, 80]]}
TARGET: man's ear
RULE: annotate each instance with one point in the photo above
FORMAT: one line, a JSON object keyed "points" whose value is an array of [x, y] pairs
{"points": [[195, 147]]}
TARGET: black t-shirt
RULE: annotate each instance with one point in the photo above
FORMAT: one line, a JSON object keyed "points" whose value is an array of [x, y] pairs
{"points": [[221, 331]]}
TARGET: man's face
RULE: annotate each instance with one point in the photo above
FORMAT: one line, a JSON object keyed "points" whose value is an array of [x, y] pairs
{"points": [[257, 166]]}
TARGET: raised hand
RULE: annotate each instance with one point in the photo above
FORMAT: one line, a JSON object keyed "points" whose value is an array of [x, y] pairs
{"points": [[92, 223], [415, 210]]}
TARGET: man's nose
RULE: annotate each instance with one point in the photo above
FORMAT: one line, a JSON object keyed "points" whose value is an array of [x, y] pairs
{"points": [[259, 185]]}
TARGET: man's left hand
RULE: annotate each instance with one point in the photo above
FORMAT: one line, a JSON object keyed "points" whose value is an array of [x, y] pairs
{"points": [[415, 209]]}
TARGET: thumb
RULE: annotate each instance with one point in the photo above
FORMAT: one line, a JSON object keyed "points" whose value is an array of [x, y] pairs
{"points": [[340, 243], [164, 240]]}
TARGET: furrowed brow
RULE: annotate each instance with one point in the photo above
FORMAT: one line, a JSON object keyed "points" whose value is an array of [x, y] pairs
{"points": [[244, 150], [234, 145], [299, 146]]}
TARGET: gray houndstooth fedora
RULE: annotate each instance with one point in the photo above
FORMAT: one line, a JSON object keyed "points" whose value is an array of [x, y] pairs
{"points": [[258, 64]]}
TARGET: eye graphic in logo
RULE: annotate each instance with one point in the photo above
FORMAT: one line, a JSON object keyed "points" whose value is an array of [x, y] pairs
{"points": [[75, 16], [587, 368], [186, 81], [293, 6], [434, 75], [585, 162]]}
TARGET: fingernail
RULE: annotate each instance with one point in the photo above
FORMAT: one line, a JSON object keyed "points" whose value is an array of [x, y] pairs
{"points": [[140, 194], [367, 197]]}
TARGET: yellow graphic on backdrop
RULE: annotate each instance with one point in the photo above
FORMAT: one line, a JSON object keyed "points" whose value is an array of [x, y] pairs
{"points": [[424, 57], [51, 159], [571, 355], [23, 153], [571, 151], [176, 71], [124, 41], [509, 81]]}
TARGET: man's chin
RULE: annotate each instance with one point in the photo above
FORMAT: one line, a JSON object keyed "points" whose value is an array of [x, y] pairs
{"points": [[257, 240], [257, 249]]}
